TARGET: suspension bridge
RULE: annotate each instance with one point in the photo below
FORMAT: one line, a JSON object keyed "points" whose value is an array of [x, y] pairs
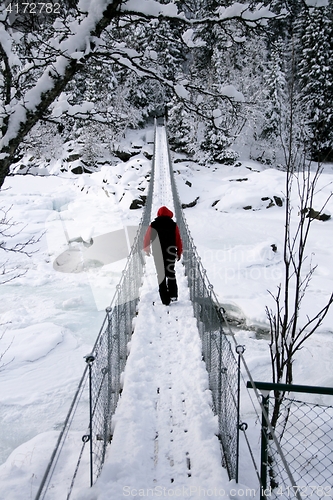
{"points": [[161, 386]]}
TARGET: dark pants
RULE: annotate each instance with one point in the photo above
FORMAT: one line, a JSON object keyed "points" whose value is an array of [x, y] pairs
{"points": [[166, 276]]}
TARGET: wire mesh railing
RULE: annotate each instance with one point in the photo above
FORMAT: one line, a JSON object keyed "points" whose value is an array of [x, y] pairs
{"points": [[297, 453], [217, 350], [302, 437], [102, 375], [306, 438]]}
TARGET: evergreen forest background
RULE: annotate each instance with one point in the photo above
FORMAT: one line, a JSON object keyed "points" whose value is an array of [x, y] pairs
{"points": [[231, 78]]}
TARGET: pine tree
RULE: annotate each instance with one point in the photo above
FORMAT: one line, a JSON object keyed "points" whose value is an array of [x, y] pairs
{"points": [[316, 81], [275, 94], [181, 127]]}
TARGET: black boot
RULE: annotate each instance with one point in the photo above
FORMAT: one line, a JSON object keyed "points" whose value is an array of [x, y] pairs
{"points": [[164, 294], [173, 289]]}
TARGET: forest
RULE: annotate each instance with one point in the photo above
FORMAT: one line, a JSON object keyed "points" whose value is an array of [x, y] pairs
{"points": [[227, 75]]}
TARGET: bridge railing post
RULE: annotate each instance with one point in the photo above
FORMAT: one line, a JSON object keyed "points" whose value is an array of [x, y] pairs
{"points": [[90, 358]]}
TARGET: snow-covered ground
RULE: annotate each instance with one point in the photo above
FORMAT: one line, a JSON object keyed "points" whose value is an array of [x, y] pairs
{"points": [[235, 246], [50, 319]]}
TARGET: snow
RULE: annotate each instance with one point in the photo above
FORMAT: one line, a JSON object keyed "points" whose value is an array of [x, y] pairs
{"points": [[6, 44], [187, 37], [74, 45], [62, 105], [316, 3], [245, 267], [245, 12], [230, 91], [181, 91], [151, 8], [165, 411], [50, 321]]}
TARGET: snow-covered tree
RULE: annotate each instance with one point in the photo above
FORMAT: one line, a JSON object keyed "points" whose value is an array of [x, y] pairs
{"points": [[315, 75], [182, 128], [215, 144], [275, 94], [41, 53]]}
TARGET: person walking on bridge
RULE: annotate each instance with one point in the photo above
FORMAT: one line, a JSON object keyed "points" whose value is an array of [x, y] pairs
{"points": [[163, 237]]}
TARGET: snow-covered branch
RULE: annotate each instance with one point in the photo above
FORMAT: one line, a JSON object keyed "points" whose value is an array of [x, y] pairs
{"points": [[25, 112], [38, 65], [242, 12]]}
